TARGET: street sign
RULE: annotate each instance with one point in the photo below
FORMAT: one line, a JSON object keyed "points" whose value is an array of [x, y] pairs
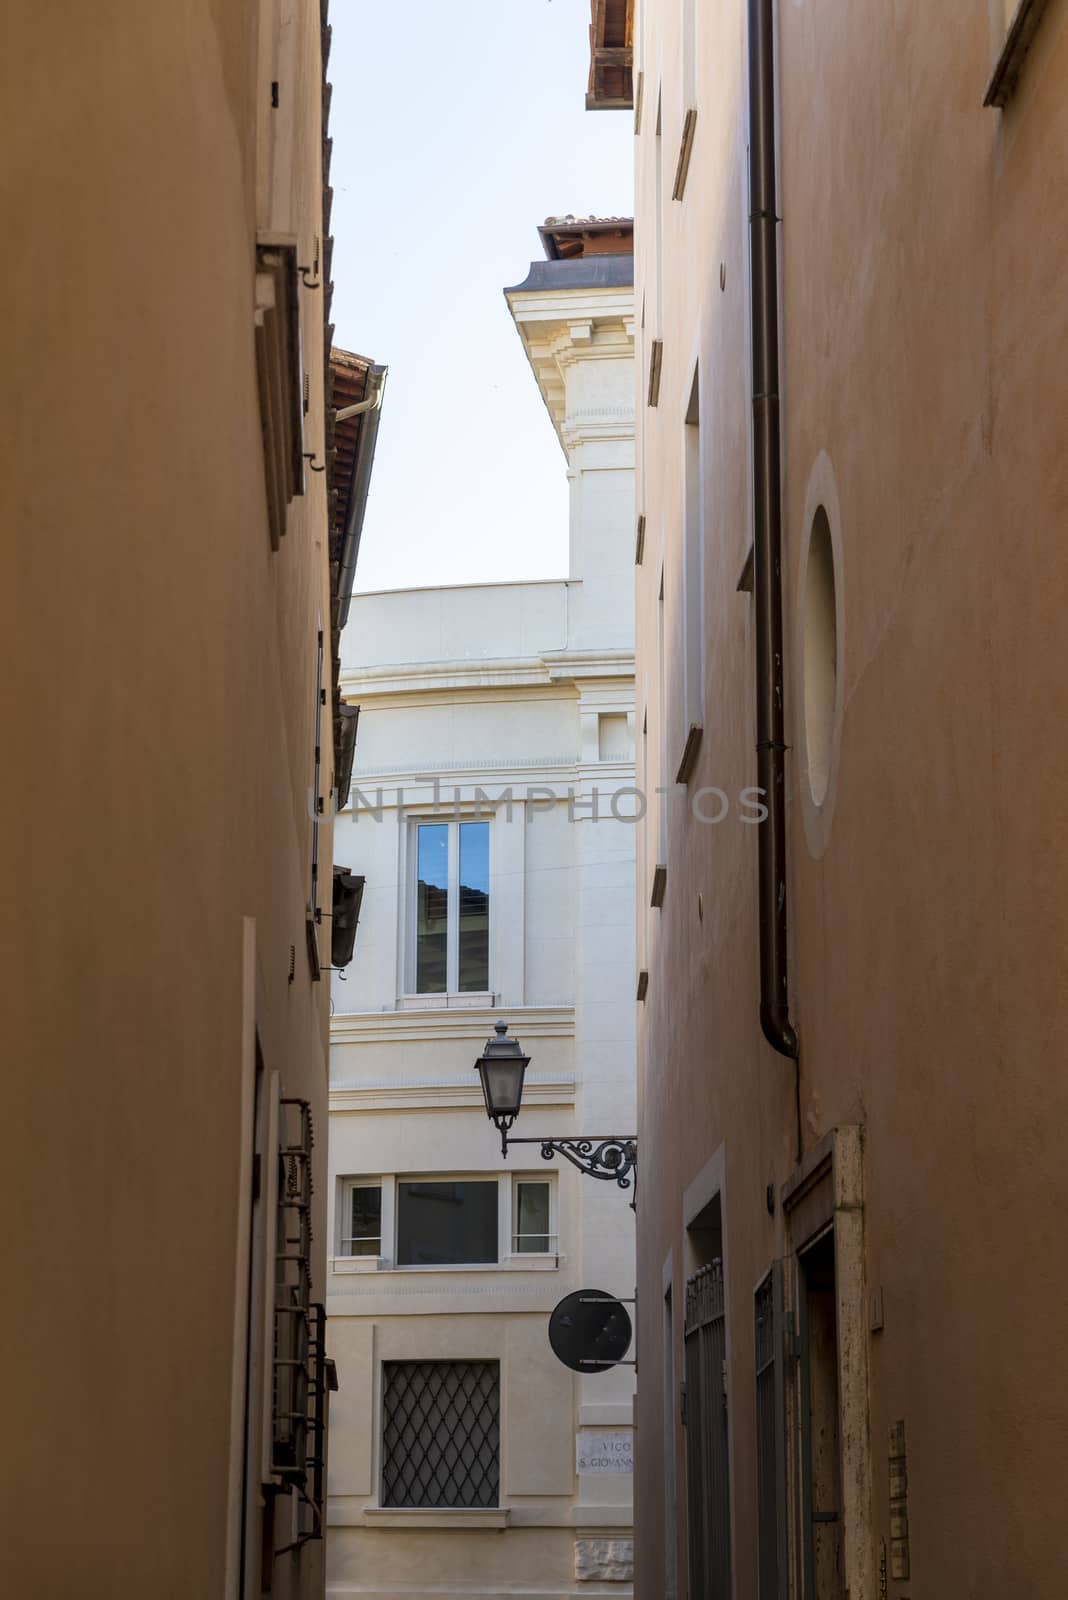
{"points": [[590, 1331]]}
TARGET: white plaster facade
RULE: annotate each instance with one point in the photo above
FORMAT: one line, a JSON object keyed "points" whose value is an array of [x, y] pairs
{"points": [[465, 694]]}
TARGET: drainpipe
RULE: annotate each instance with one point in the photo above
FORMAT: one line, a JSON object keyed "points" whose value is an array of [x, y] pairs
{"points": [[767, 531], [358, 410]]}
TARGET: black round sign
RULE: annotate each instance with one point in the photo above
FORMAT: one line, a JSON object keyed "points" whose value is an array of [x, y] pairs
{"points": [[590, 1330]]}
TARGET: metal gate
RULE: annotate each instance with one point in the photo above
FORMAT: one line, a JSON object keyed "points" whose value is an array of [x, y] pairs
{"points": [[705, 1415]]}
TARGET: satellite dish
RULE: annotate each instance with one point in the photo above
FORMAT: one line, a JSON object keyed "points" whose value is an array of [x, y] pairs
{"points": [[590, 1330]]}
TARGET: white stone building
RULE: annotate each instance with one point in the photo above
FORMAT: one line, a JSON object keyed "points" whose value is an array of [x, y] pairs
{"points": [[491, 817]]}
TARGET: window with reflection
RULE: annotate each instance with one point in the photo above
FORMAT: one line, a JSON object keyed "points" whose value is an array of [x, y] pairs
{"points": [[473, 951], [432, 909], [452, 909], [446, 1224]]}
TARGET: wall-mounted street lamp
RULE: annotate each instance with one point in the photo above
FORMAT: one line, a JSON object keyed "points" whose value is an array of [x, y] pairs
{"points": [[501, 1068]]}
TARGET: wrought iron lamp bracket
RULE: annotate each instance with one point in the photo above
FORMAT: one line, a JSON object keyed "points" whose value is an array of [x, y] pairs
{"points": [[612, 1157]]}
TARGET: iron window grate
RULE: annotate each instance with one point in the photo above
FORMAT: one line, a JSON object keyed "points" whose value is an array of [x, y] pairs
{"points": [[441, 1433]]}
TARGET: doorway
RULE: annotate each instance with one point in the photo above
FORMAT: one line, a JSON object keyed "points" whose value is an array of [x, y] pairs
{"points": [[821, 1475]]}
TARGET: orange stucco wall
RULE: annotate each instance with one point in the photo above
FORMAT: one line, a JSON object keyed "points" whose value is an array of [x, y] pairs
{"points": [[159, 689]]}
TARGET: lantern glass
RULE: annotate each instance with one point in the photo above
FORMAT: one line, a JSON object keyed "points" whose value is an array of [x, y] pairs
{"points": [[501, 1067], [502, 1085]]}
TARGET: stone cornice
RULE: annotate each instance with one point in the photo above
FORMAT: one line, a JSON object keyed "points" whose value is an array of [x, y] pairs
{"points": [[387, 789], [444, 1094], [559, 307], [532, 675], [443, 677], [443, 1023], [561, 329], [573, 666]]}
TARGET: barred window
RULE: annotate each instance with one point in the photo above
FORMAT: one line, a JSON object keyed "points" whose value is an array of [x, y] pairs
{"points": [[441, 1433]]}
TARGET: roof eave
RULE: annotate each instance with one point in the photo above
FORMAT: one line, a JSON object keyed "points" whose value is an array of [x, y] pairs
{"points": [[361, 480]]}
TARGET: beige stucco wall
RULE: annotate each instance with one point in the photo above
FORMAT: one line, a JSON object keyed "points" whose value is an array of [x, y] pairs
{"points": [[924, 358], [159, 688]]}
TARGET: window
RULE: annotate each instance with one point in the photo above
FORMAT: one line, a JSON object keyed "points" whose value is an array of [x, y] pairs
{"points": [[531, 1220], [280, 380], [364, 1218], [693, 584], [671, 1576], [770, 1437], [659, 883], [446, 1221], [446, 1224], [452, 908], [707, 1456], [441, 1433], [821, 1466], [315, 808], [821, 657], [615, 742]]}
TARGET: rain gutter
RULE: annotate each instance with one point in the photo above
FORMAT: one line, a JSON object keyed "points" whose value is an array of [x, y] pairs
{"points": [[767, 533]]}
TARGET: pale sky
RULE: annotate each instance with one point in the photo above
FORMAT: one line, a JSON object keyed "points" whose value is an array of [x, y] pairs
{"points": [[458, 129]]}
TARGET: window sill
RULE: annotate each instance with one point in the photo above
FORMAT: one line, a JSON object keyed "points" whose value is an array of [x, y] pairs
{"points": [[690, 752], [458, 1517], [532, 1261], [514, 1263], [343, 1264], [470, 1000], [682, 168]]}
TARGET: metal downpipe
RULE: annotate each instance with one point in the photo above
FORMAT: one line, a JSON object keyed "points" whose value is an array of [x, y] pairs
{"points": [[767, 532]]}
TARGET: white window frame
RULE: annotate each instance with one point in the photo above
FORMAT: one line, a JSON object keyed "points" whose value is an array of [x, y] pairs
{"points": [[452, 994], [508, 1259], [553, 1252], [349, 1263]]}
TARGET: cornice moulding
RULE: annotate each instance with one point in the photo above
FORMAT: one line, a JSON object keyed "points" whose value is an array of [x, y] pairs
{"points": [[419, 795], [418, 784], [443, 677], [485, 678], [445, 1095], [571, 666], [573, 305], [431, 697], [386, 1027]]}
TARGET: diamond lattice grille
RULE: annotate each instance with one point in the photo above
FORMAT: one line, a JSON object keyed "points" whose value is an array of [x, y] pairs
{"points": [[441, 1434]]}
